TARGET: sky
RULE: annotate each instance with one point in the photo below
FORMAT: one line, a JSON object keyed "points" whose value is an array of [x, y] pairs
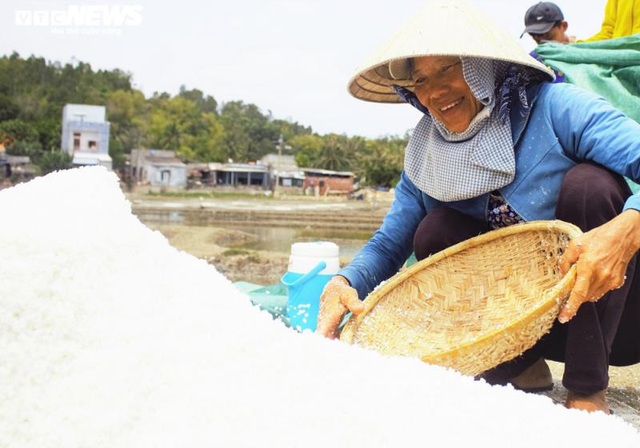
{"points": [[291, 58], [121, 340]]}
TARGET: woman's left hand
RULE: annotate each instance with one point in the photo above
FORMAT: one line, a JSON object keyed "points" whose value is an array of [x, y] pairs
{"points": [[601, 257]]}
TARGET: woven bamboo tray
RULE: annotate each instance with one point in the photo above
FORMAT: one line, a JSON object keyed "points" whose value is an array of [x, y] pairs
{"points": [[473, 305]]}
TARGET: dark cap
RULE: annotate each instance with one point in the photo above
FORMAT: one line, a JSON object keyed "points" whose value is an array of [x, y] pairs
{"points": [[541, 17]]}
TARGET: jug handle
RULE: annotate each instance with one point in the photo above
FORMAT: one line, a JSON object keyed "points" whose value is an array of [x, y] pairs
{"points": [[312, 273]]}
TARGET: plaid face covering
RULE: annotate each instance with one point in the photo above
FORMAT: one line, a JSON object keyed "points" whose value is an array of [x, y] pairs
{"points": [[456, 166]]}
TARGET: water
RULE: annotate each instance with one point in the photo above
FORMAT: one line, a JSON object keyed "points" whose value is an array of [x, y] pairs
{"points": [[279, 239], [270, 238]]}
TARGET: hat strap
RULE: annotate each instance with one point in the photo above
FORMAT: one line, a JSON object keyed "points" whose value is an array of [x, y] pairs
{"points": [[410, 97]]}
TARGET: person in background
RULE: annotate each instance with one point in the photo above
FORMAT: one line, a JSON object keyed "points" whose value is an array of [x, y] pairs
{"points": [[499, 144], [621, 18], [544, 22]]}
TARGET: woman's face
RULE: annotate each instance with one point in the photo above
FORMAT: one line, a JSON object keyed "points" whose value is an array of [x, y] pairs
{"points": [[440, 86]]}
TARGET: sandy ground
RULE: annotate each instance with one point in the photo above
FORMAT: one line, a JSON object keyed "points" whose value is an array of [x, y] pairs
{"points": [[215, 245]]}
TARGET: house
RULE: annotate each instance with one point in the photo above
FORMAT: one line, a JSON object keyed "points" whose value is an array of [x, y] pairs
{"points": [[158, 168], [85, 134], [234, 175], [14, 169], [21, 168], [273, 171], [5, 167], [264, 174], [293, 179], [324, 182], [284, 170]]}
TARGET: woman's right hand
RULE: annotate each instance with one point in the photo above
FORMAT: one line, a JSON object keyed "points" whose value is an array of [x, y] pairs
{"points": [[337, 298]]}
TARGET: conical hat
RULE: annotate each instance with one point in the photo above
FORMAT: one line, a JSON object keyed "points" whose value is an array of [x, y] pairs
{"points": [[442, 28]]}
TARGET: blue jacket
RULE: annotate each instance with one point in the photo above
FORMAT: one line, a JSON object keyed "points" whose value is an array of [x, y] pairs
{"points": [[565, 126]]}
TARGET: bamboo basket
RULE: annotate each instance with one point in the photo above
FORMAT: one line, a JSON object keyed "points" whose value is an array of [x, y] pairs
{"points": [[474, 305]]}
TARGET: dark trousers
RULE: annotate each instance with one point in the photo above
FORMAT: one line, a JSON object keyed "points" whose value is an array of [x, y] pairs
{"points": [[603, 333]]}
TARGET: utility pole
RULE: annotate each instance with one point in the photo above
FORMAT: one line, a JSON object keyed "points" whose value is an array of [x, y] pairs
{"points": [[279, 163]]}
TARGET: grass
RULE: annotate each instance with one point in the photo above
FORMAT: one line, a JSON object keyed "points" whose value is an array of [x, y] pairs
{"points": [[251, 256]]}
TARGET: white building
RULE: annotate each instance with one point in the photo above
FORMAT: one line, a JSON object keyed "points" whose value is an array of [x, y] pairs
{"points": [[85, 134], [284, 169], [158, 168]]}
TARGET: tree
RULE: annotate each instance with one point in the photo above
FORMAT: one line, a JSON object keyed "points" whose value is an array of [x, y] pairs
{"points": [[249, 135], [203, 103], [9, 110], [127, 112], [49, 132], [17, 130], [177, 124], [207, 143], [381, 161], [31, 149], [338, 153], [307, 149], [51, 161], [289, 130]]}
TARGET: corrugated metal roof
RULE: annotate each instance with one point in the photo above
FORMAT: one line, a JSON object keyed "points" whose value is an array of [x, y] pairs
{"points": [[90, 159], [17, 160], [328, 172]]}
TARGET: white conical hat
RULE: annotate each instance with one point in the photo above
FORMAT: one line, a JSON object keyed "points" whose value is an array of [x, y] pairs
{"points": [[443, 27]]}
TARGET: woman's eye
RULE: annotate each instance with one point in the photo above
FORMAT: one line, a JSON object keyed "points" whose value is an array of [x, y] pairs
{"points": [[420, 81], [446, 68]]}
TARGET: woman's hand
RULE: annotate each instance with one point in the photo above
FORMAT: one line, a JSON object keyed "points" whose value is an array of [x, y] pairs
{"points": [[601, 257], [337, 298]]}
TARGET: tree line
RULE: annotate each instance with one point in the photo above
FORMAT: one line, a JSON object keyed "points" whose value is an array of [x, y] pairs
{"points": [[34, 91]]}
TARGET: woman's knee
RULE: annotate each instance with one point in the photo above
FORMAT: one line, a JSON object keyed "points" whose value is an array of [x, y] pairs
{"points": [[444, 227], [591, 195]]}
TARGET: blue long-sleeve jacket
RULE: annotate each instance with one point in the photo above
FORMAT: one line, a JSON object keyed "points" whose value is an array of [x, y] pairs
{"points": [[565, 126]]}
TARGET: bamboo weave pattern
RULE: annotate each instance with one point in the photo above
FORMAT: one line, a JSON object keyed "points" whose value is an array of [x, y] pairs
{"points": [[474, 305]]}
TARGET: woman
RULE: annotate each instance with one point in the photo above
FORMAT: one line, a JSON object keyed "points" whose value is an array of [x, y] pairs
{"points": [[500, 144]]}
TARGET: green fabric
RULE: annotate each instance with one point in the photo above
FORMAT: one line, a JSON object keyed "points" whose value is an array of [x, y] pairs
{"points": [[411, 260], [270, 298], [610, 68]]}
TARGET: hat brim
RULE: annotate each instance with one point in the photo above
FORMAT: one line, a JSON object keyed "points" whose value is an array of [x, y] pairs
{"points": [[442, 28], [539, 28]]}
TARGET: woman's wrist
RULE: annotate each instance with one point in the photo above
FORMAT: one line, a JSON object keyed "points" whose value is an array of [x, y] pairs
{"points": [[631, 222]]}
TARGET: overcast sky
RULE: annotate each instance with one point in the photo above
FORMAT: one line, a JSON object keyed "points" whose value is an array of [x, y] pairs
{"points": [[292, 58]]}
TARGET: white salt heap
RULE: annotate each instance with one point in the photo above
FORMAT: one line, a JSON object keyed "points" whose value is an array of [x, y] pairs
{"points": [[109, 337]]}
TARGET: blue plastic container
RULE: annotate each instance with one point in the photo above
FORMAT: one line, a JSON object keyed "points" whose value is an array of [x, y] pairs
{"points": [[311, 266]]}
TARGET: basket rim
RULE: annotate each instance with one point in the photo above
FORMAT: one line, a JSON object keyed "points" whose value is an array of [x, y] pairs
{"points": [[563, 285]]}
